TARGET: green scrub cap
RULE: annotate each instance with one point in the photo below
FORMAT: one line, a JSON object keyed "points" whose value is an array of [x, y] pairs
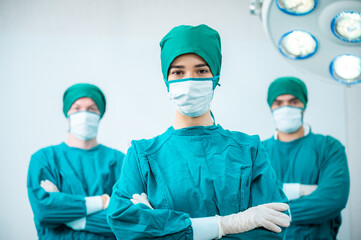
{"points": [[201, 40], [81, 90], [287, 85]]}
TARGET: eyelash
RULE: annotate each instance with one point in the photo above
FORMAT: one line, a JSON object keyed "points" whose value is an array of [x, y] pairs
{"points": [[203, 71], [200, 71], [177, 72]]}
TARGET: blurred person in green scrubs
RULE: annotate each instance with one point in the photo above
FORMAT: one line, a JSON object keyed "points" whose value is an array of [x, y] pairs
{"points": [[312, 167], [69, 185]]}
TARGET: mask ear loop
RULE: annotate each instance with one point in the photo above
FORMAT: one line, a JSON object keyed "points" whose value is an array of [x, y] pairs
{"points": [[212, 116], [214, 86], [166, 83]]}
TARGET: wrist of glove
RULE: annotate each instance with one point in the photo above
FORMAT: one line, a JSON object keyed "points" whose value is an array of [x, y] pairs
{"points": [[296, 190], [269, 216]]}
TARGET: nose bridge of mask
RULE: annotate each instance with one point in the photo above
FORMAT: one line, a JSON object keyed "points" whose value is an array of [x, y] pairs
{"points": [[288, 109], [85, 116], [189, 86], [213, 79]]}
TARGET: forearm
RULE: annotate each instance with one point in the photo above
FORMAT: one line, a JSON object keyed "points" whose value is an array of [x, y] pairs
{"points": [[315, 209], [261, 233], [138, 221], [93, 204], [97, 223], [56, 208], [59, 208]]}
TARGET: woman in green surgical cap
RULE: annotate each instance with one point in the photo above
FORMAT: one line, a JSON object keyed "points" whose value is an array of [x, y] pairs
{"points": [[69, 184], [196, 180]]}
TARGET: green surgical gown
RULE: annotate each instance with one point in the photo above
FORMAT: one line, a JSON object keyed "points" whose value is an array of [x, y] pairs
{"points": [[191, 172], [77, 173], [313, 159]]}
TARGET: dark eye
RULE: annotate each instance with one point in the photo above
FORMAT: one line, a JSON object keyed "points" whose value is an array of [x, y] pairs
{"points": [[203, 71], [295, 101], [177, 72]]}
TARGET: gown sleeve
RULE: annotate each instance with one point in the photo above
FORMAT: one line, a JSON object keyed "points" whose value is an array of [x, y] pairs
{"points": [[129, 221], [97, 223], [264, 188], [331, 195], [51, 209]]}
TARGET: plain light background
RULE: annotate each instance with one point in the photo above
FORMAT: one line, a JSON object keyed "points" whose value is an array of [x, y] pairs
{"points": [[46, 46]]}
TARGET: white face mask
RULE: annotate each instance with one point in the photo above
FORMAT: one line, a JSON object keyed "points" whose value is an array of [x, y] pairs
{"points": [[287, 119], [192, 97], [84, 125]]}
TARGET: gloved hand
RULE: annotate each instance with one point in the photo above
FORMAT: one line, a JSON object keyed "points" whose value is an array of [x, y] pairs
{"points": [[269, 216], [105, 200], [296, 190], [143, 198], [48, 186]]}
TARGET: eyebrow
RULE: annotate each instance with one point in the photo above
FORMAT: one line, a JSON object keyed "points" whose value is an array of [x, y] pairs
{"points": [[176, 66], [291, 99], [196, 66], [79, 105], [201, 65]]}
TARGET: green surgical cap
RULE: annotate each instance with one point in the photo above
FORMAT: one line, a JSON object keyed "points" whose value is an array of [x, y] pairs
{"points": [[81, 90], [201, 40], [287, 85]]}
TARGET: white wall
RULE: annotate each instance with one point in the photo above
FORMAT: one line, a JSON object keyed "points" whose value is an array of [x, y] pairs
{"points": [[45, 46]]}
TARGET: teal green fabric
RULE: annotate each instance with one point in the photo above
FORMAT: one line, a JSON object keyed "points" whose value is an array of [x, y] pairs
{"points": [[313, 159], [81, 90], [191, 172], [77, 173], [201, 40], [287, 85]]}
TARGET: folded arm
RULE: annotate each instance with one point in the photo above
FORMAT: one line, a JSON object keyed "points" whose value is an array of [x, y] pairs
{"points": [[331, 195]]}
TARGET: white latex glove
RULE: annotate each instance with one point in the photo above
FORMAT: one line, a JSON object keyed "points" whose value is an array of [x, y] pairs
{"points": [[269, 216], [143, 198], [296, 190], [48, 186], [77, 224]]}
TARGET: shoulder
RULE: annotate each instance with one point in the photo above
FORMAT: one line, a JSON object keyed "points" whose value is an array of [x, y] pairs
{"points": [[326, 140], [47, 150], [113, 151], [148, 146], [242, 139], [44, 155], [268, 141]]}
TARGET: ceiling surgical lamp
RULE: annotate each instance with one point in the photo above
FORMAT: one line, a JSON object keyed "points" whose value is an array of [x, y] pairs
{"points": [[320, 37]]}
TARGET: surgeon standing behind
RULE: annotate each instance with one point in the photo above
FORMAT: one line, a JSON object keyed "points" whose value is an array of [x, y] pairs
{"points": [[196, 180], [312, 167], [69, 184]]}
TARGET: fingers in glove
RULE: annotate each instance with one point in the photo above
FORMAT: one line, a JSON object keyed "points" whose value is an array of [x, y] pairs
{"points": [[145, 196], [134, 201], [271, 226], [280, 220], [141, 199], [281, 207]]}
